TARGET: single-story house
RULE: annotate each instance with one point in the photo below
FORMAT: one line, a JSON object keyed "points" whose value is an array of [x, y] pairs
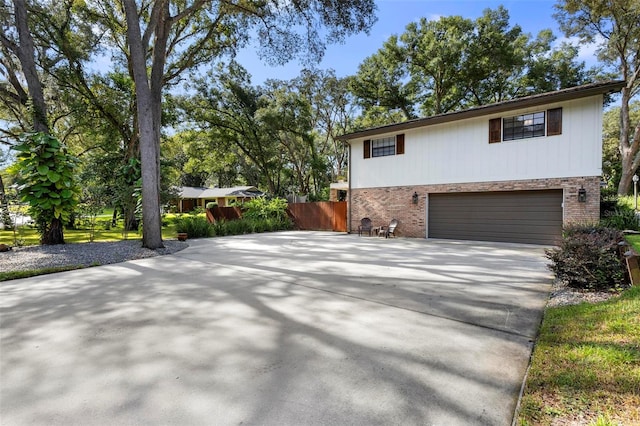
{"points": [[513, 171], [191, 197]]}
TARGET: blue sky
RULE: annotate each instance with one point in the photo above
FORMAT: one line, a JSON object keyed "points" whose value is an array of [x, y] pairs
{"points": [[393, 17]]}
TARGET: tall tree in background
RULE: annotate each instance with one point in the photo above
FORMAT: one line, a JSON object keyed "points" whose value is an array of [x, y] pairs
{"points": [[23, 48], [285, 117], [436, 56], [611, 158], [381, 86], [453, 63], [615, 26], [227, 106], [333, 113], [286, 130]]}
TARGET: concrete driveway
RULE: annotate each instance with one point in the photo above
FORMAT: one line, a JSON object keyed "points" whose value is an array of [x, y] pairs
{"points": [[292, 328]]}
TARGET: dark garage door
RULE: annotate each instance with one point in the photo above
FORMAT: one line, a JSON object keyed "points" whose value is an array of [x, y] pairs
{"points": [[532, 217]]}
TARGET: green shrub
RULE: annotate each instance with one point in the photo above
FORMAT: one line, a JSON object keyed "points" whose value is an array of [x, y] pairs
{"points": [[608, 201], [197, 226], [621, 217], [211, 204], [588, 258], [194, 226], [249, 226], [261, 208]]}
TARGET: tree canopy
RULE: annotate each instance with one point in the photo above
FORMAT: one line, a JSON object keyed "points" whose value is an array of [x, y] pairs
{"points": [[438, 66], [155, 42], [614, 26]]}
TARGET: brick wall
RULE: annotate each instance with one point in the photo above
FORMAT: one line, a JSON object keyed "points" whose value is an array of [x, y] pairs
{"points": [[383, 204]]}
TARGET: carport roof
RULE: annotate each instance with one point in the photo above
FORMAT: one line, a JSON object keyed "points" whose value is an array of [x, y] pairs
{"points": [[528, 101]]}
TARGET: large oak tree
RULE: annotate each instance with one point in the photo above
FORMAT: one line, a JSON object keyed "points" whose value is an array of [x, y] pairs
{"points": [[165, 38], [614, 25], [438, 66]]}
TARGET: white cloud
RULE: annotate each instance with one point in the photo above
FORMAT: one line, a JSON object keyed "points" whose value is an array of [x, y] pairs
{"points": [[586, 51]]}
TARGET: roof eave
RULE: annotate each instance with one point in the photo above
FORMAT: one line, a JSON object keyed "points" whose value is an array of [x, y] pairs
{"points": [[529, 101]]}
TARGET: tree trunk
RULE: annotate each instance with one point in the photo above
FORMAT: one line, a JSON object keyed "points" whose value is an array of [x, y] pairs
{"points": [[26, 55], [629, 146], [149, 149], [129, 217], [53, 235], [5, 217]]}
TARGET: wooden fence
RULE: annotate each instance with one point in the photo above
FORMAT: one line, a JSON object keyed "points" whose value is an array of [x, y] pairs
{"points": [[319, 216], [226, 213]]}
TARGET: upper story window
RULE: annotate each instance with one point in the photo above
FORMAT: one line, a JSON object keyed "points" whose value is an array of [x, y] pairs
{"points": [[381, 147], [536, 124], [523, 126]]}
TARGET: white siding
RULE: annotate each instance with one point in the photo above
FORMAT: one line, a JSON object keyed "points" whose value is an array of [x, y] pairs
{"points": [[460, 152]]}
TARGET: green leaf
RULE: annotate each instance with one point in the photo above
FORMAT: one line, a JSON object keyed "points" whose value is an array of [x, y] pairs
{"points": [[53, 176], [65, 193], [43, 169]]}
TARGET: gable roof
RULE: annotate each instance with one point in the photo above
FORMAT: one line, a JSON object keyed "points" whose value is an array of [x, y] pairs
{"points": [[234, 191], [524, 102]]}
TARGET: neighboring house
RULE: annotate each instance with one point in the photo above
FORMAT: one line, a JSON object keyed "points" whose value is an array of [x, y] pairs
{"points": [[191, 197], [513, 171]]}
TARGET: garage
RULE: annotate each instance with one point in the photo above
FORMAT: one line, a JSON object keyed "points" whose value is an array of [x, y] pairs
{"points": [[530, 217]]}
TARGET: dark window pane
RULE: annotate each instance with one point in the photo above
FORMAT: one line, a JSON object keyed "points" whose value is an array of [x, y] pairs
{"points": [[383, 147]]}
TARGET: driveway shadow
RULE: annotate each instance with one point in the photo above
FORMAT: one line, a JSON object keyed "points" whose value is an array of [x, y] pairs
{"points": [[285, 328]]}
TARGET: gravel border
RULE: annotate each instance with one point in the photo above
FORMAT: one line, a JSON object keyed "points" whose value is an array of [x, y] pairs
{"points": [[81, 254], [562, 295]]}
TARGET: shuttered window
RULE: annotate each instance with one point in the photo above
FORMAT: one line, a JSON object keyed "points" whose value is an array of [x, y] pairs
{"points": [[382, 147], [400, 144], [554, 122], [495, 130]]}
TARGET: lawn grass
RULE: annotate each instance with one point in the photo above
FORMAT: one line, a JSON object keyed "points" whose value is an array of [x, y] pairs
{"points": [[14, 275], [634, 240], [28, 236], [585, 367]]}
